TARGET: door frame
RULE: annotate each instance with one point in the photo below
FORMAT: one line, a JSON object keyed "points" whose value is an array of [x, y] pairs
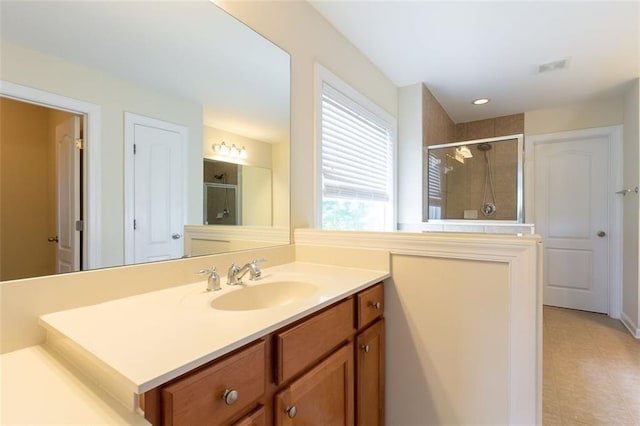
{"points": [[614, 137], [130, 121], [92, 190]]}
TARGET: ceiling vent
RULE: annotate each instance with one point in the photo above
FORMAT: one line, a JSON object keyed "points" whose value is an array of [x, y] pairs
{"points": [[553, 66]]}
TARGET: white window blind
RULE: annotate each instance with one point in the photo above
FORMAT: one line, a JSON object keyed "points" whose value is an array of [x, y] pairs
{"points": [[356, 150], [435, 180]]}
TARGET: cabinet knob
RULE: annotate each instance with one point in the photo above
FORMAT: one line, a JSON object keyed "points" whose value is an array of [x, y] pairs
{"points": [[365, 348], [230, 396], [291, 411], [376, 305]]}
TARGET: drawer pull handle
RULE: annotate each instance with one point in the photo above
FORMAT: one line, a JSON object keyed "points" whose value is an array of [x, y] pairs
{"points": [[376, 305], [291, 411], [365, 348], [230, 396]]}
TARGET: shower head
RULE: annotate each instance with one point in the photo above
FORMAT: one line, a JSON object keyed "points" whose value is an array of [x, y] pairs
{"points": [[484, 147]]}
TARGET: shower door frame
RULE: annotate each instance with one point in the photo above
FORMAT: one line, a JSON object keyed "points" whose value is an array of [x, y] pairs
{"points": [[519, 179]]}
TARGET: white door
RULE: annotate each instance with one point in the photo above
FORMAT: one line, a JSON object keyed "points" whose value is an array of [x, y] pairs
{"points": [[68, 202], [157, 189], [572, 216]]}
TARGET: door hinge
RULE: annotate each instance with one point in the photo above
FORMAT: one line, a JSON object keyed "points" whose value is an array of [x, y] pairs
{"points": [[80, 225], [134, 148], [135, 224], [79, 143]]}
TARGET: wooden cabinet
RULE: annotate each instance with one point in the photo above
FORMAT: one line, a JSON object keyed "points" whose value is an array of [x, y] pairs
{"points": [[322, 396], [218, 392], [325, 369], [370, 305], [370, 375], [256, 418], [305, 343]]}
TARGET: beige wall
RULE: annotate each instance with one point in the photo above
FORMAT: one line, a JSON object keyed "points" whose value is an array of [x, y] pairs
{"points": [[437, 126], [280, 175], [631, 208], [452, 325], [24, 66], [297, 28], [506, 125], [27, 189], [574, 117]]}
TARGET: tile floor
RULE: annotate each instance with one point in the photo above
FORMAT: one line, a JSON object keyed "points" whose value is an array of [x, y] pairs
{"points": [[591, 370]]}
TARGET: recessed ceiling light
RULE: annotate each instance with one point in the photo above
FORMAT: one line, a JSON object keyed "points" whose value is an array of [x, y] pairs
{"points": [[480, 101]]}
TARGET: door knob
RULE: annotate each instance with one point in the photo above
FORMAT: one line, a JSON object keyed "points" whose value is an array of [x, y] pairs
{"points": [[53, 239], [176, 236], [601, 234]]}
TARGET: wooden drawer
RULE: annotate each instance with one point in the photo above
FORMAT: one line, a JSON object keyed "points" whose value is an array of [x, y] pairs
{"points": [[305, 343], [370, 304], [256, 418], [198, 398]]}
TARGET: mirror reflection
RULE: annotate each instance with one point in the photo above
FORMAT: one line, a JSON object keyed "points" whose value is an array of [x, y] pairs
{"points": [[476, 180], [129, 104]]}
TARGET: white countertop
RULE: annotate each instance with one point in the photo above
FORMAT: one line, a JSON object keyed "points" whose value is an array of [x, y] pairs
{"points": [[131, 345], [38, 388]]}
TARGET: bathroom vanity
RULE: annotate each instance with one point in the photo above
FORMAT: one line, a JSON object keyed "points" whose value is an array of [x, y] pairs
{"points": [[307, 373], [181, 357]]}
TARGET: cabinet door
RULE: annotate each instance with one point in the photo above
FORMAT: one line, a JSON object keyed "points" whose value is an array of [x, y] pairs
{"points": [[370, 376], [323, 396], [255, 418]]}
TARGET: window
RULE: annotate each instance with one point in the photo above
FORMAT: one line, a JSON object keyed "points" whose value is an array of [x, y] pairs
{"points": [[356, 159], [435, 187]]}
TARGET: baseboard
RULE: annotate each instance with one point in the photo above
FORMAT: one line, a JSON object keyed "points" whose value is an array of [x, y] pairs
{"points": [[633, 328]]}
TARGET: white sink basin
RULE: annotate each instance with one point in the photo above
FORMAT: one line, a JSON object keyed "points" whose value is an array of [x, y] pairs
{"points": [[262, 296]]}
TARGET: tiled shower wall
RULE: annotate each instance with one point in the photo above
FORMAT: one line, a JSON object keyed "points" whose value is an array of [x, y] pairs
{"points": [[438, 128]]}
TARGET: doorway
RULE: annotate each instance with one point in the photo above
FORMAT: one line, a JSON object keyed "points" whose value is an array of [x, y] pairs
{"points": [[41, 179], [155, 189], [570, 197]]}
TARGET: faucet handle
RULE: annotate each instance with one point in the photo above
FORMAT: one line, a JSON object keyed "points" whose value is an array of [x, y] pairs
{"points": [[256, 261], [211, 270], [213, 281]]}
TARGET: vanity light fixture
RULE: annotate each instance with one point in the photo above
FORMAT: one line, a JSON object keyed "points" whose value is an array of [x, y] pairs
{"points": [[480, 101], [233, 151]]}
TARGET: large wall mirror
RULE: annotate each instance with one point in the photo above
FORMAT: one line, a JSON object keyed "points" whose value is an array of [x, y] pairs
{"points": [[109, 113]]}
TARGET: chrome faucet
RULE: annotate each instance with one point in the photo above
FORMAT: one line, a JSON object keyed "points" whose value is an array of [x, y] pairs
{"points": [[234, 277], [213, 280]]}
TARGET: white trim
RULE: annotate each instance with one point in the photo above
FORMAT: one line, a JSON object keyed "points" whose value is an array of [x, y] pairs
{"points": [[522, 254], [634, 329], [614, 136], [93, 170], [324, 75], [130, 120]]}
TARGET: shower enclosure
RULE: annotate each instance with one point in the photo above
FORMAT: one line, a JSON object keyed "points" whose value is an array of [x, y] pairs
{"points": [[475, 180], [221, 197]]}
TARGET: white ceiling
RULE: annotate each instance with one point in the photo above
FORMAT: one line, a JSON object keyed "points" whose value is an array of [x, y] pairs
{"points": [[467, 50], [189, 49]]}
